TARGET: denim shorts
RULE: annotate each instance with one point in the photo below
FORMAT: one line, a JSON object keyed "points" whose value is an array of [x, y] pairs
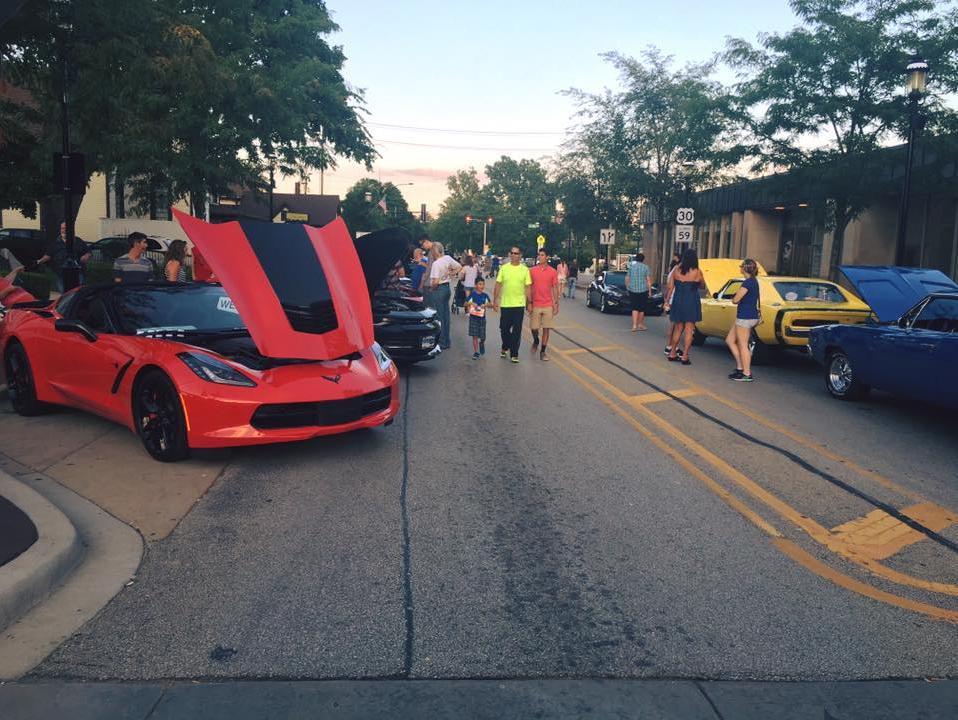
{"points": [[747, 323]]}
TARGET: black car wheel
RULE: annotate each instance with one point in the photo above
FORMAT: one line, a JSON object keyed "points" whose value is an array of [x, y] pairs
{"points": [[840, 379], [21, 388], [762, 354], [698, 339], [158, 417]]}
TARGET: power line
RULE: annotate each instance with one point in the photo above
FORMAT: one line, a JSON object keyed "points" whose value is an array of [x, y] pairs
{"points": [[466, 147], [467, 132]]}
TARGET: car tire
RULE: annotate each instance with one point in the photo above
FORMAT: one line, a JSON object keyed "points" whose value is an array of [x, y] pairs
{"points": [[158, 417], [840, 379], [21, 385], [762, 354], [698, 338]]}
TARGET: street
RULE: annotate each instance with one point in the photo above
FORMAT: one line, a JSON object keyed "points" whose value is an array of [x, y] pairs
{"points": [[604, 515]]}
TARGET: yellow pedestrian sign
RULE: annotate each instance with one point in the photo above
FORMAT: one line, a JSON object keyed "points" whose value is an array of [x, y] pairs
{"points": [[541, 241]]}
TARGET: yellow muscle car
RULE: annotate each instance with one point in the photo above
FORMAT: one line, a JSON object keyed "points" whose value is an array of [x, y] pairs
{"points": [[790, 307]]}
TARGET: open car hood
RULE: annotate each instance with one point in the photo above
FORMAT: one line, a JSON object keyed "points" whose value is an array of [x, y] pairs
{"points": [[379, 252], [890, 290], [299, 290], [718, 271]]}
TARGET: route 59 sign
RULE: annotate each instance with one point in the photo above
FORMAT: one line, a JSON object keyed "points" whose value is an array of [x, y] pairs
{"points": [[683, 233], [684, 216]]}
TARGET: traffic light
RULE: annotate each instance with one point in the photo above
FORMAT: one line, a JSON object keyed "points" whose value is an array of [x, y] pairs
{"points": [[489, 219]]}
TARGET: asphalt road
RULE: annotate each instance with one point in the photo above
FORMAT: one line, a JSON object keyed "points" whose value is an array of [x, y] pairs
{"points": [[562, 520]]}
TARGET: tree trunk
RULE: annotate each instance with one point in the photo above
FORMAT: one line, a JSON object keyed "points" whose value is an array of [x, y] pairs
{"points": [[838, 239], [198, 203]]}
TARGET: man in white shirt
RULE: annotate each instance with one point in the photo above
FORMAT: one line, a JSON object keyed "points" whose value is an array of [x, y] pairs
{"points": [[442, 270]]}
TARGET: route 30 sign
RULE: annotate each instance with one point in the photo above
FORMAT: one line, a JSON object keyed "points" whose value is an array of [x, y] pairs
{"points": [[685, 216]]}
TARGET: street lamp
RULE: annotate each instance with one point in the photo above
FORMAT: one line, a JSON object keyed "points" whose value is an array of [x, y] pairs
{"points": [[470, 218], [917, 72]]}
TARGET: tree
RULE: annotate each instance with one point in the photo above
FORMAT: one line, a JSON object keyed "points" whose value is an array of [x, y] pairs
{"points": [[183, 96], [664, 129], [825, 96], [362, 211]]}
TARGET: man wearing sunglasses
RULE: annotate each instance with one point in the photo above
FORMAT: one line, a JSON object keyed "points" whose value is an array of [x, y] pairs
{"points": [[513, 294]]}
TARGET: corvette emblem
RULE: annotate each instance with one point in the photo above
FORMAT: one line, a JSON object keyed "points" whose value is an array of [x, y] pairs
{"points": [[332, 378]]}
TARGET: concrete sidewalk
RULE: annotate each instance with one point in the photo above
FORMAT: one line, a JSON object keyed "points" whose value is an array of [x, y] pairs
{"points": [[492, 699]]}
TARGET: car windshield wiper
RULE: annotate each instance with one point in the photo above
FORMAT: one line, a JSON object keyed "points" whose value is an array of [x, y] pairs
{"points": [[194, 333]]}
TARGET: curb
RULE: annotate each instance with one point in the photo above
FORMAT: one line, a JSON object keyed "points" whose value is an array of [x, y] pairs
{"points": [[32, 576]]}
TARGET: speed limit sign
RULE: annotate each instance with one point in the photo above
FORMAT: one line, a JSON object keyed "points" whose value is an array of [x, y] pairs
{"points": [[684, 216]]}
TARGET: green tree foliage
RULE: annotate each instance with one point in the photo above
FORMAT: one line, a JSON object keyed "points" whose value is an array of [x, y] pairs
{"points": [[366, 215], [180, 95], [643, 143], [825, 96], [517, 194]]}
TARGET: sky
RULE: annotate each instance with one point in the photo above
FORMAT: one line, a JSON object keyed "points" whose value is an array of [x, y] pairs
{"points": [[481, 80]]}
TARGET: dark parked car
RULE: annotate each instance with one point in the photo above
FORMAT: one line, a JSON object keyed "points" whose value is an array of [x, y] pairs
{"points": [[27, 245], [608, 293], [404, 326], [913, 348]]}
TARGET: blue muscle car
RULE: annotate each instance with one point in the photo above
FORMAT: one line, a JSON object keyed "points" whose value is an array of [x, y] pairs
{"points": [[913, 348]]}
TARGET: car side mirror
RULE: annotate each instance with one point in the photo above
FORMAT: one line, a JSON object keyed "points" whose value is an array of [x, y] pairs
{"points": [[75, 326], [715, 295]]}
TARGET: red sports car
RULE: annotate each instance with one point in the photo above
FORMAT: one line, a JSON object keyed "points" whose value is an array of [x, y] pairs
{"points": [[282, 350]]}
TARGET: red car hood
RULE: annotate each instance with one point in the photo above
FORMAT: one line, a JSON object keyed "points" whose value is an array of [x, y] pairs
{"points": [[300, 290]]}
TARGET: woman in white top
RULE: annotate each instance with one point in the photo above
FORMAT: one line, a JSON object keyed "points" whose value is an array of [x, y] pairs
{"points": [[442, 269]]}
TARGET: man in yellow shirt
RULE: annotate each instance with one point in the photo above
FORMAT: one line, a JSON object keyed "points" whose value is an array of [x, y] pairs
{"points": [[513, 294]]}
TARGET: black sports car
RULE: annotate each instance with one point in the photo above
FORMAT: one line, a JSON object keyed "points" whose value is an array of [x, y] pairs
{"points": [[608, 293], [404, 326]]}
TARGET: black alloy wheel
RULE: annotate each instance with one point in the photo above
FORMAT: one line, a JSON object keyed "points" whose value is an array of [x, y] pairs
{"points": [[21, 388], [840, 378], [158, 417]]}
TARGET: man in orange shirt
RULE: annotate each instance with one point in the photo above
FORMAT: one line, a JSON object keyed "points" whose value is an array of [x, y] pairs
{"points": [[544, 305]]}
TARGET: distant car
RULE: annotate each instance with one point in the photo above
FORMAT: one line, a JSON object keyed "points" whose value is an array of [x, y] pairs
{"points": [[404, 326], [790, 307], [913, 348], [26, 245], [283, 350], [108, 249], [608, 293]]}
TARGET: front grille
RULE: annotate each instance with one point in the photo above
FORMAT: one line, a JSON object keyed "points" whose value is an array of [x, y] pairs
{"points": [[320, 414], [317, 319]]}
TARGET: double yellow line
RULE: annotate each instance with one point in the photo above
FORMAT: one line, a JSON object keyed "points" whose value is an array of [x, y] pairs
{"points": [[843, 544]]}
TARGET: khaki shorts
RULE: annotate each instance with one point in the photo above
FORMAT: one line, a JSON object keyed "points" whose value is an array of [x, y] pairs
{"points": [[541, 318]]}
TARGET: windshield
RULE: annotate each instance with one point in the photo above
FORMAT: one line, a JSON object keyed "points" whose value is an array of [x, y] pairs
{"points": [[939, 315], [615, 278], [802, 290], [144, 310]]}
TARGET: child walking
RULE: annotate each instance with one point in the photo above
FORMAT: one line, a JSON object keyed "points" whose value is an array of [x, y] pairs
{"points": [[476, 303]]}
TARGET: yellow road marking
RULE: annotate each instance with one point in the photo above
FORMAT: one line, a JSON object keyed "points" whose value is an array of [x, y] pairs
{"points": [[652, 397], [878, 535], [817, 532], [795, 437], [600, 348]]}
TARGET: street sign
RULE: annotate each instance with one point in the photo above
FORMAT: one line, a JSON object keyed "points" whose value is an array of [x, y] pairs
{"points": [[534, 226], [685, 216], [607, 237], [540, 241], [684, 233]]}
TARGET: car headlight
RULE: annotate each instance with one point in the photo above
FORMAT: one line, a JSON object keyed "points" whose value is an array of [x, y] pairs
{"points": [[212, 370], [381, 357]]}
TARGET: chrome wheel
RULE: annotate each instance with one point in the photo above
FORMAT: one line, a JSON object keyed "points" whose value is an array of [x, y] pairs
{"points": [[840, 378]]}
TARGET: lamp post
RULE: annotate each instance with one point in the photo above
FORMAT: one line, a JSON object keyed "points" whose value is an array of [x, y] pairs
{"points": [[470, 218], [917, 72]]}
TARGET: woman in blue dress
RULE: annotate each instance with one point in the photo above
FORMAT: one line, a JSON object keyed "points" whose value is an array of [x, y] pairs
{"points": [[686, 307]]}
